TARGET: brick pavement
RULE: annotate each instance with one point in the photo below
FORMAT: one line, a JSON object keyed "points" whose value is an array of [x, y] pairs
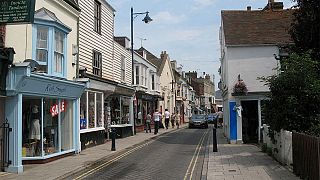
{"points": [[242, 161]]}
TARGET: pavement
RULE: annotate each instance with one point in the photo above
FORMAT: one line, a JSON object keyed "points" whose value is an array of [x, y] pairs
{"points": [[241, 162], [232, 161]]}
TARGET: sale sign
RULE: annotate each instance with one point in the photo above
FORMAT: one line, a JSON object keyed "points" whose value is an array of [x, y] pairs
{"points": [[58, 108]]}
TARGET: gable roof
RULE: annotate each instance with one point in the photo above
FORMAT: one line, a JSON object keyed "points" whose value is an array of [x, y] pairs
{"points": [[257, 27], [150, 57]]}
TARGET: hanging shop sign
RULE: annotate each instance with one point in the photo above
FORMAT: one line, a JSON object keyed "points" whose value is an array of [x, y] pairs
{"points": [[16, 11], [58, 108]]}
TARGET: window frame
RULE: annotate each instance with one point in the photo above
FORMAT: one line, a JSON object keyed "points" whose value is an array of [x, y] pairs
{"points": [[97, 63], [97, 17], [51, 42], [137, 75], [123, 68]]}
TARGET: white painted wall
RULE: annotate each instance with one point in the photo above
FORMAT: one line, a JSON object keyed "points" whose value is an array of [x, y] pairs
{"points": [[118, 52], [166, 78], [20, 36], [250, 63]]}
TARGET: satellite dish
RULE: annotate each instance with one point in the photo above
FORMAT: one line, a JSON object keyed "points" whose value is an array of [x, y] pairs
{"points": [[33, 64]]}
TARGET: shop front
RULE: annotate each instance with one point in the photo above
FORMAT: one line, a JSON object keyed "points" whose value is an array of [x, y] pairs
{"points": [[42, 112], [146, 103], [94, 112], [121, 111]]}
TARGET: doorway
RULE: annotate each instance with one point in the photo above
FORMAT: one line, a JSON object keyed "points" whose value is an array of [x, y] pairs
{"points": [[250, 121]]}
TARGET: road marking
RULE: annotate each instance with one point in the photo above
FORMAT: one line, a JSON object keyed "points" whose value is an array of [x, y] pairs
{"points": [[195, 154], [88, 173]]}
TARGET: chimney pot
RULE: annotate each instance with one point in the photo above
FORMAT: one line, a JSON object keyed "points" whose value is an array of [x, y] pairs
{"points": [[248, 8]]}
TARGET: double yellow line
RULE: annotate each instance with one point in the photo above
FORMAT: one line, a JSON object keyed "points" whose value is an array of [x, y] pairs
{"points": [[195, 157], [88, 173]]}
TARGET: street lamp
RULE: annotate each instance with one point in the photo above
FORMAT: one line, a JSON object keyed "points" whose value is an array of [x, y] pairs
{"points": [[146, 19]]}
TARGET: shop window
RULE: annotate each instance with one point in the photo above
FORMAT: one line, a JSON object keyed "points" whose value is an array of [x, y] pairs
{"points": [[67, 131], [83, 111], [91, 109], [31, 127], [120, 110], [51, 108], [47, 126], [91, 102]]}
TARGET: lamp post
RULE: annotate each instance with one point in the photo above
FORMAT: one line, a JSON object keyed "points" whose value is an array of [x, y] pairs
{"points": [[146, 19]]}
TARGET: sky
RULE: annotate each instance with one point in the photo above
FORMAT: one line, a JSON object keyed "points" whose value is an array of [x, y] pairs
{"points": [[188, 30]]}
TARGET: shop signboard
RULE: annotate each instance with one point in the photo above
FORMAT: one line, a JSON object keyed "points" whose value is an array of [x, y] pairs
{"points": [[16, 11]]}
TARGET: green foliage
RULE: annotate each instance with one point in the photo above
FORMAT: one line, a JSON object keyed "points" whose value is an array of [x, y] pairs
{"points": [[305, 29], [295, 96], [269, 151]]}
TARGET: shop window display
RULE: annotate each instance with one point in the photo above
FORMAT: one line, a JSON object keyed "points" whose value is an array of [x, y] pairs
{"points": [[83, 111], [47, 126], [91, 109], [31, 128], [120, 110], [99, 110]]}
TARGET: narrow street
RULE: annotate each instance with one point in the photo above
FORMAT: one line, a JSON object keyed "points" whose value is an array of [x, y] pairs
{"points": [[176, 155]]}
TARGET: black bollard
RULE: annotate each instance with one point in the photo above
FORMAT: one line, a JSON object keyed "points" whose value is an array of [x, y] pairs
{"points": [[113, 138], [214, 140]]}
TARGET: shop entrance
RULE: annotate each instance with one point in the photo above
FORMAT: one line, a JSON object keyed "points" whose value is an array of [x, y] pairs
{"points": [[250, 121]]}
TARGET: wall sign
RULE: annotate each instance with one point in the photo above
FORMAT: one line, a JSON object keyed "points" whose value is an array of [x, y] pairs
{"points": [[58, 108], [16, 11]]}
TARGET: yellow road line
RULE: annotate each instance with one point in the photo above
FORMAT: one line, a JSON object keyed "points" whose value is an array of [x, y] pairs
{"points": [[195, 162], [195, 152], [84, 175]]}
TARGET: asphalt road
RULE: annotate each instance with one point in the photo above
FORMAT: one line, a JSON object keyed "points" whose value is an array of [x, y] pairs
{"points": [[176, 155]]}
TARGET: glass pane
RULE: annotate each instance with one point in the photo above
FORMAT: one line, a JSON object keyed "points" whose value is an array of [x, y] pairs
{"points": [[91, 110], [57, 64], [125, 102], [42, 37], [31, 127], [83, 111], [42, 55], [99, 110], [66, 107], [52, 109], [58, 41]]}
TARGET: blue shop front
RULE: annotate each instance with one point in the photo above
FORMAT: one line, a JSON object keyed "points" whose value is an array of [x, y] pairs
{"points": [[43, 112]]}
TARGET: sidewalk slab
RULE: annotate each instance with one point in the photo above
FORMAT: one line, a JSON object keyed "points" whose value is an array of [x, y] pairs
{"points": [[243, 161], [85, 158]]}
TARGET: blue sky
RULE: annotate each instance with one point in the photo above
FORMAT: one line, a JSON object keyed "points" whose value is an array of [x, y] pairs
{"points": [[187, 29]]}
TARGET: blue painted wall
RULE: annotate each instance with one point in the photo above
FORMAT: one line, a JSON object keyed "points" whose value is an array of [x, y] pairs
{"points": [[233, 121]]}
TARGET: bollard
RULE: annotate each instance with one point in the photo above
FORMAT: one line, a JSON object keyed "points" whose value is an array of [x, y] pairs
{"points": [[214, 140], [113, 138]]}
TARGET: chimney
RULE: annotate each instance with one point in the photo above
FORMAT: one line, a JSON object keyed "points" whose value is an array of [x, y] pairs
{"points": [[123, 41], [272, 5], [248, 8], [207, 76], [164, 55]]}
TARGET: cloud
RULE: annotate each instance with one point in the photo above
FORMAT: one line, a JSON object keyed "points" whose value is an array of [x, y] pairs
{"points": [[204, 3], [165, 17]]}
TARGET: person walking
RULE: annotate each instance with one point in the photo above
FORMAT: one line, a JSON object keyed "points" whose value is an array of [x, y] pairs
{"points": [[172, 120], [166, 118], [177, 119], [148, 123], [156, 119]]}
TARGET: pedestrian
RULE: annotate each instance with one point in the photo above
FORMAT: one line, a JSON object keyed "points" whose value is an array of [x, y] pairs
{"points": [[173, 118], [166, 118], [177, 119], [156, 119], [148, 123]]}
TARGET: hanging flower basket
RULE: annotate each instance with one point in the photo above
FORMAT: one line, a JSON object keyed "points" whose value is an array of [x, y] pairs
{"points": [[240, 88]]}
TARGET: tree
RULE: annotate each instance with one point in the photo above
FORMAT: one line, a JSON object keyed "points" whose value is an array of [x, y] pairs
{"points": [[305, 29], [295, 96]]}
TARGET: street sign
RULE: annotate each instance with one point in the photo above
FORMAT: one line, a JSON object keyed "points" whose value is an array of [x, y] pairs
{"points": [[16, 11]]}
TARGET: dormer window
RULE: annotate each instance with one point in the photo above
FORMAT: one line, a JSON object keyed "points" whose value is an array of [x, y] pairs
{"points": [[49, 43]]}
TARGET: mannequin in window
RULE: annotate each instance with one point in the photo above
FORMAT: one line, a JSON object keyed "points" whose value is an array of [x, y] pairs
{"points": [[35, 129]]}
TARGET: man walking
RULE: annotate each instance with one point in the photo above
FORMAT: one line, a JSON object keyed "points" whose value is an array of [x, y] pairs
{"points": [[156, 118], [166, 118], [148, 121]]}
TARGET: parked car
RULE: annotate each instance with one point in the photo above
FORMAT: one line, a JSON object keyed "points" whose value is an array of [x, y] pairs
{"points": [[198, 120], [212, 118]]}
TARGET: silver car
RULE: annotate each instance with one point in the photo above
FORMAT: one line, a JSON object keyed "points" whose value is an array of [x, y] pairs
{"points": [[198, 120]]}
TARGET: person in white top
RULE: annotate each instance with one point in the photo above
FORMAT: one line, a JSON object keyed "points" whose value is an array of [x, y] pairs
{"points": [[166, 118], [156, 118]]}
